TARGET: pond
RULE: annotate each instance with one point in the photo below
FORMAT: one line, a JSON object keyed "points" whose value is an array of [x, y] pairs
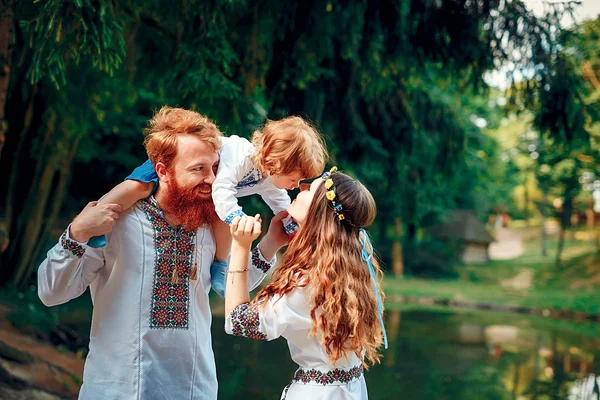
{"points": [[437, 353]]}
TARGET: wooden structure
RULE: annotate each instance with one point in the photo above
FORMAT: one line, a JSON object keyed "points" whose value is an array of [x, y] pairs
{"points": [[463, 226]]}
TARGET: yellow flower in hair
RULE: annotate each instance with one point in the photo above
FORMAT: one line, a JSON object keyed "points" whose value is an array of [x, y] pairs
{"points": [[330, 195], [341, 217], [328, 184]]}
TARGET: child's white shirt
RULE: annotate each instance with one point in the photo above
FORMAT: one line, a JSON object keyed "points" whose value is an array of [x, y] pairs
{"points": [[237, 176]]}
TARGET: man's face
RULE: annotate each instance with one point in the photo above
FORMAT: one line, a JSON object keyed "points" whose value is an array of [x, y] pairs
{"points": [[195, 165], [188, 185]]}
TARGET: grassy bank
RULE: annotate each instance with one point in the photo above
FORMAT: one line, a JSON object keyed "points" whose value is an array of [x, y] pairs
{"points": [[574, 286]]}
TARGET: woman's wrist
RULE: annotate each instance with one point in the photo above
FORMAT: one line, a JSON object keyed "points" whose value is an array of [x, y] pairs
{"points": [[235, 246]]}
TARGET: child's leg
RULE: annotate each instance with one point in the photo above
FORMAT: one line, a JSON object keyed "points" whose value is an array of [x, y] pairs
{"points": [[218, 268], [125, 194]]}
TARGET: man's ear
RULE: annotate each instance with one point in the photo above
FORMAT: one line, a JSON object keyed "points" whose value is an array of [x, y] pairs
{"points": [[161, 171]]}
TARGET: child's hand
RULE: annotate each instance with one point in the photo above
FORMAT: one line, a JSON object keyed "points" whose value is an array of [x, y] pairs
{"points": [[245, 229]]}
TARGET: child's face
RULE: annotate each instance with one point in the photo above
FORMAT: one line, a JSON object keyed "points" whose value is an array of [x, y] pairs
{"points": [[287, 182]]}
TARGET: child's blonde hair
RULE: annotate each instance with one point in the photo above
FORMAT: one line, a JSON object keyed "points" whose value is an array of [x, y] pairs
{"points": [[287, 146]]}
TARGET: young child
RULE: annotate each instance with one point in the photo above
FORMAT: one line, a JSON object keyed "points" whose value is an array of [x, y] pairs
{"points": [[280, 155], [324, 299]]}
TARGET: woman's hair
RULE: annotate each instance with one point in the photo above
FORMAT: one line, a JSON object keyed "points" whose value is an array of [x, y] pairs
{"points": [[289, 145], [169, 123], [326, 254]]}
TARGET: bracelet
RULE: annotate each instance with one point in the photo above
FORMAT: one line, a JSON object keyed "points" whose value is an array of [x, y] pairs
{"points": [[239, 271]]}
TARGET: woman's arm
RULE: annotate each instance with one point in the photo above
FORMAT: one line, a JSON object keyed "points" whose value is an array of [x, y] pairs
{"points": [[243, 231]]}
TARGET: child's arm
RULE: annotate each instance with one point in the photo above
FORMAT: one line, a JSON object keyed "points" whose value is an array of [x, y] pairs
{"points": [[127, 193], [223, 193]]}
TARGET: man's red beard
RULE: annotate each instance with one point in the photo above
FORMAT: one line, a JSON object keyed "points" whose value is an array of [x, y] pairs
{"points": [[188, 206]]}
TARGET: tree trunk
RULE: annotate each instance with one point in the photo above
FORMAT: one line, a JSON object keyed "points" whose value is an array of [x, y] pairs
{"points": [[526, 195], [60, 191], [397, 261], [21, 253], [561, 243], [6, 28], [565, 222], [544, 235], [590, 215]]}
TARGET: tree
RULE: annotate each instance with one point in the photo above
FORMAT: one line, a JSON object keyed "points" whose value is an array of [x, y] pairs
{"points": [[387, 90]]}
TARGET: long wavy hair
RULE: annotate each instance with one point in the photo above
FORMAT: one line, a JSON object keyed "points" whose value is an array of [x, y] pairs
{"points": [[325, 254]]}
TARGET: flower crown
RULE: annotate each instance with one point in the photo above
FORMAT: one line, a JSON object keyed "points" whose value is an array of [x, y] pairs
{"points": [[337, 207]]}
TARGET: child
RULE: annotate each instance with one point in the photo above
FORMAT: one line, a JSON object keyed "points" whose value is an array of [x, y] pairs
{"points": [[324, 298], [282, 154]]}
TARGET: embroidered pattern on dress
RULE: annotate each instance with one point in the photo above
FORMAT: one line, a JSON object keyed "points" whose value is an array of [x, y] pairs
{"points": [[246, 322], [258, 261], [70, 245], [231, 217], [174, 249], [329, 377], [250, 179]]}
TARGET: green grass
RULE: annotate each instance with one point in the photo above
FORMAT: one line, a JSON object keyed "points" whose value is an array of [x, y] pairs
{"points": [[574, 286]]}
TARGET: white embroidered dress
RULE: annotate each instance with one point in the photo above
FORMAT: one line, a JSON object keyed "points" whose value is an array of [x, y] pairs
{"points": [[289, 316], [150, 336], [238, 177]]}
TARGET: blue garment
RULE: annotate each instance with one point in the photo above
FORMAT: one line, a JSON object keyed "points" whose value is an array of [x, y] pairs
{"points": [[218, 273], [143, 173]]}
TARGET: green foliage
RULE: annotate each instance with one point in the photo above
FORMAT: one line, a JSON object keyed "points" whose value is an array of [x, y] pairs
{"points": [[60, 32], [393, 97]]}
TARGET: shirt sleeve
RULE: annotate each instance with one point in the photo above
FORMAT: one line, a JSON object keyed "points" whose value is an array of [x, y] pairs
{"points": [[224, 191], [258, 268], [69, 268], [272, 318]]}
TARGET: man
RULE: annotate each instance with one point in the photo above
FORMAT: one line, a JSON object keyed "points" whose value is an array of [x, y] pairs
{"points": [[150, 335]]}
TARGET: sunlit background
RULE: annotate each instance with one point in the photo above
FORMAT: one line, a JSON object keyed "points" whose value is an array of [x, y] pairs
{"points": [[474, 123]]}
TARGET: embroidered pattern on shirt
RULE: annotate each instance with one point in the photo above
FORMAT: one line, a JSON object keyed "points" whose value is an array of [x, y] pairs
{"points": [[259, 262], [70, 245], [246, 322], [174, 249], [251, 178], [329, 377], [231, 217]]}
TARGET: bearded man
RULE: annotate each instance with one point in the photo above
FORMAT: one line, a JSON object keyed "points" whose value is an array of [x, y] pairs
{"points": [[150, 336]]}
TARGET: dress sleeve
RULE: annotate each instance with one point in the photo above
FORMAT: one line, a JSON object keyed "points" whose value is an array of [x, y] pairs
{"points": [[258, 268], [271, 319], [69, 268]]}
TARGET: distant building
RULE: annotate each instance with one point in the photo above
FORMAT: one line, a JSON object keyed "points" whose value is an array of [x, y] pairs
{"points": [[464, 227]]}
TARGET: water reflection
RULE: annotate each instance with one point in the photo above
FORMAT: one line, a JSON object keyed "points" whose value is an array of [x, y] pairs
{"points": [[441, 354]]}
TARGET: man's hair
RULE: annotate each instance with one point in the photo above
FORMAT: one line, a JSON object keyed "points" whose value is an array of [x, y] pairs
{"points": [[169, 123], [289, 145]]}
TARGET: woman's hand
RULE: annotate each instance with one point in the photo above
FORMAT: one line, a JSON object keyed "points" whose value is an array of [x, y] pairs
{"points": [[276, 234], [244, 230]]}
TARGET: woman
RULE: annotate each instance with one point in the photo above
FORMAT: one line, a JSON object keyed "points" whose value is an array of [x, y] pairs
{"points": [[324, 299]]}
